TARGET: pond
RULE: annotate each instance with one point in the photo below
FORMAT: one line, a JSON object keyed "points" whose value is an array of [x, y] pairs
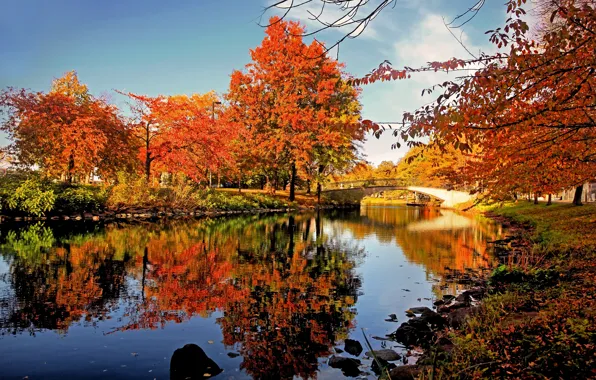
{"points": [[267, 296]]}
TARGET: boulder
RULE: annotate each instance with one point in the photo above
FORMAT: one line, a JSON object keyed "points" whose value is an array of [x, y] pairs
{"points": [[412, 335], [457, 317], [418, 310], [385, 365], [348, 366], [386, 354], [405, 372], [353, 347], [191, 362]]}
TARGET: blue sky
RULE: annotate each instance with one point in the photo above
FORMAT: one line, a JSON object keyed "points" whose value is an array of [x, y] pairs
{"points": [[156, 47]]}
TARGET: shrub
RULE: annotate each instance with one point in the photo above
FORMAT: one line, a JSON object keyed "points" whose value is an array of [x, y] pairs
{"points": [[79, 200], [131, 191], [28, 196]]}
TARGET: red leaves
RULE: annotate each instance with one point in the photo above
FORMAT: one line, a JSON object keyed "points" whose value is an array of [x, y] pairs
{"points": [[66, 132], [292, 104]]}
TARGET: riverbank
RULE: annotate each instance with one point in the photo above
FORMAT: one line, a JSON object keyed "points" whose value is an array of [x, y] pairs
{"points": [[539, 317], [29, 198]]}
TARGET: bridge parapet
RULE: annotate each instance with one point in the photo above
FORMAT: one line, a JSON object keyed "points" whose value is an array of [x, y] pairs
{"points": [[373, 182], [360, 189]]}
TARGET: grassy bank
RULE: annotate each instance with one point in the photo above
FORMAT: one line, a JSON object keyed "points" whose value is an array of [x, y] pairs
{"points": [[540, 319], [26, 195]]}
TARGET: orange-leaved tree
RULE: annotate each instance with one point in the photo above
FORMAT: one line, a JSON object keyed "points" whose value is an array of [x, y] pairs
{"points": [[291, 104], [67, 132], [179, 134], [530, 109]]}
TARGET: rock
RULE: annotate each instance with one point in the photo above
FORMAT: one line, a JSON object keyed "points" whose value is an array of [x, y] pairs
{"points": [[448, 297], [405, 372], [385, 365], [386, 354], [348, 366], [412, 336], [353, 347], [418, 310], [410, 314], [452, 306], [233, 354], [393, 316], [338, 350], [438, 302], [433, 318], [457, 317], [191, 362]]}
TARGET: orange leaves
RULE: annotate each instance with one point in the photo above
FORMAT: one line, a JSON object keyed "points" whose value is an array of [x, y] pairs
{"points": [[67, 132], [525, 110], [292, 102]]}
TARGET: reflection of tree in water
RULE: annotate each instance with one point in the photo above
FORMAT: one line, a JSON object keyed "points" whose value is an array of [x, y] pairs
{"points": [[297, 307], [286, 291], [437, 239], [56, 285]]}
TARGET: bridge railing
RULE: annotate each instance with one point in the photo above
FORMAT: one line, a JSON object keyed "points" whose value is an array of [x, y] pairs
{"points": [[374, 182], [381, 182]]}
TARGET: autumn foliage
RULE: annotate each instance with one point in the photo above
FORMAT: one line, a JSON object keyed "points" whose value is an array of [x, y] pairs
{"points": [[528, 109], [288, 118]]}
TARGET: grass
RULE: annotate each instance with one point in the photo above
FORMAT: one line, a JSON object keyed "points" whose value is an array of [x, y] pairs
{"points": [[540, 320], [302, 199], [560, 227]]}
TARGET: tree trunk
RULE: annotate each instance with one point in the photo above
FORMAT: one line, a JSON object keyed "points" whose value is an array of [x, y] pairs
{"points": [[293, 183], [308, 186], [550, 200], [262, 183], [147, 156], [577, 197], [319, 193], [239, 185], [535, 198], [71, 164]]}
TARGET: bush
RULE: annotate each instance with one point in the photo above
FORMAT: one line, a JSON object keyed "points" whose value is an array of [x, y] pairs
{"points": [[131, 191], [80, 199], [26, 196]]}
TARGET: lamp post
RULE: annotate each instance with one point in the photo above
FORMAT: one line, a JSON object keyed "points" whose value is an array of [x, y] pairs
{"points": [[213, 118]]}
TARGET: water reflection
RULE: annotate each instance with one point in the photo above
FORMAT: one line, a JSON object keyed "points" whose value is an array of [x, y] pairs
{"points": [[283, 290]]}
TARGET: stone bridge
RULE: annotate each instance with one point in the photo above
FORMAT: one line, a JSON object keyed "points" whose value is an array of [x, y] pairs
{"points": [[356, 190]]}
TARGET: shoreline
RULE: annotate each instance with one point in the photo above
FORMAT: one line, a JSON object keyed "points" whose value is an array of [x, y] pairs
{"points": [[532, 304], [152, 214]]}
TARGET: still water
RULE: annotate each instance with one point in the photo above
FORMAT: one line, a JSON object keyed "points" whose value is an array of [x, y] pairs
{"points": [[264, 296]]}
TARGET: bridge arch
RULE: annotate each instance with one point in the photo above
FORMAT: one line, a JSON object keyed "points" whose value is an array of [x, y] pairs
{"points": [[356, 190]]}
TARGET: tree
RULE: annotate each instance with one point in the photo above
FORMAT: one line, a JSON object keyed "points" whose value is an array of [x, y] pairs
{"points": [[179, 134], [291, 105], [67, 132], [530, 106]]}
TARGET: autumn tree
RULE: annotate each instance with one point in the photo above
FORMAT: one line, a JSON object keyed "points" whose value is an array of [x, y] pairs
{"points": [[529, 104], [67, 132], [292, 105], [179, 134]]}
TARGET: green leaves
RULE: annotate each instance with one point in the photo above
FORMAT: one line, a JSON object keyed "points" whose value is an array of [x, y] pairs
{"points": [[31, 198]]}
